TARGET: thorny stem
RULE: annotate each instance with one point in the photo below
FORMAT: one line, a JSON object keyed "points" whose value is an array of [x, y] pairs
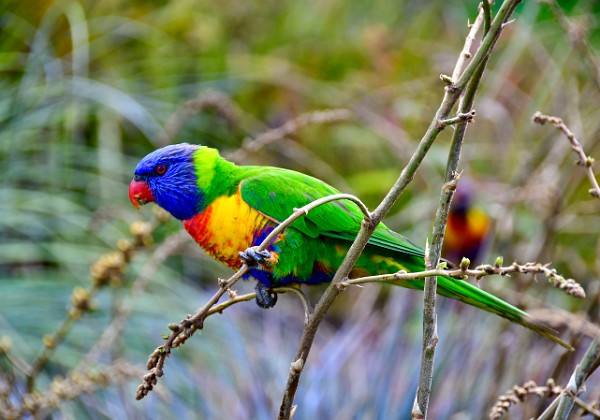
{"points": [[583, 159], [465, 54], [430, 336], [451, 178], [186, 328], [451, 96], [488, 42]]}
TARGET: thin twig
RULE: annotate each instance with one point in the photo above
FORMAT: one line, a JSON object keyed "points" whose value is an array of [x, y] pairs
{"points": [[583, 159], [180, 333], [51, 342], [250, 296], [487, 43], [308, 309], [13, 359], [559, 318], [569, 286], [211, 99], [249, 145], [461, 117], [466, 53]]}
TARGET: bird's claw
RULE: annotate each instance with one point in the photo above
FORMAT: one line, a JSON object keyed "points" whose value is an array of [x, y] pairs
{"points": [[265, 298], [253, 257]]}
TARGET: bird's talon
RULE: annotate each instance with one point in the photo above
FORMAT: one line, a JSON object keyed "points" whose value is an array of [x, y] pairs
{"points": [[265, 298], [253, 257]]}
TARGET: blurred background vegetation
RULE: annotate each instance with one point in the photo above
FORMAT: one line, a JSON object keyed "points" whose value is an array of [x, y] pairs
{"points": [[88, 88]]}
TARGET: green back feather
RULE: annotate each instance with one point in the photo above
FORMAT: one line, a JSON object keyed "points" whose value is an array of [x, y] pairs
{"points": [[276, 192]]}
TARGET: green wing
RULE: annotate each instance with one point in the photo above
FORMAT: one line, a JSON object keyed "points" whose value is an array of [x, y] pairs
{"points": [[276, 192]]}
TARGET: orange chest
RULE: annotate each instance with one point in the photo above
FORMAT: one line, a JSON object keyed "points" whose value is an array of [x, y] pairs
{"points": [[227, 227]]}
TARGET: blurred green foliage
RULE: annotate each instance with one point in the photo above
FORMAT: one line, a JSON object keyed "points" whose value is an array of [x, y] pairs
{"points": [[86, 89]]}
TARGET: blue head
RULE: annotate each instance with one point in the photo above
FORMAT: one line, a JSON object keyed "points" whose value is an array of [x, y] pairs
{"points": [[168, 177]]}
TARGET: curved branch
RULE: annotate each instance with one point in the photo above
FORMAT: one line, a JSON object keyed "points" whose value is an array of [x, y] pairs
{"points": [[328, 116], [583, 160]]}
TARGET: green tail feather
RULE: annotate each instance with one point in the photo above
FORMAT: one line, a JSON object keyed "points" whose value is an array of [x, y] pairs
{"points": [[474, 296]]}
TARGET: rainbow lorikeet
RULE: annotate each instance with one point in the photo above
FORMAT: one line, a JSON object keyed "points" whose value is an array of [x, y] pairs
{"points": [[228, 209], [468, 226]]}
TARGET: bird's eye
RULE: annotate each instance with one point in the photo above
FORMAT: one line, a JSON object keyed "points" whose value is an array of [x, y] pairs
{"points": [[161, 169]]}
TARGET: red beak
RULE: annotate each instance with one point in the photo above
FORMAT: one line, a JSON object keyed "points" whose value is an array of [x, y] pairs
{"points": [[139, 193]]}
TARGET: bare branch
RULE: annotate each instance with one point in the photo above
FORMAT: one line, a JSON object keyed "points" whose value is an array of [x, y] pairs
{"points": [[218, 309], [432, 256], [463, 116], [211, 99], [570, 286], [249, 145], [466, 54], [583, 159]]}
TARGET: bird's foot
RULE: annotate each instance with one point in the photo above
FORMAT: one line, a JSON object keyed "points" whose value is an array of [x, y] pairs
{"points": [[265, 298], [253, 257]]}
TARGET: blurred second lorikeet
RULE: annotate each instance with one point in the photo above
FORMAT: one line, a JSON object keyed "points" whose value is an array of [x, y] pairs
{"points": [[468, 227], [229, 209]]}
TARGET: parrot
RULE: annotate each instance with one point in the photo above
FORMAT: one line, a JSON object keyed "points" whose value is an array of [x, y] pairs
{"points": [[229, 209], [468, 226]]}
